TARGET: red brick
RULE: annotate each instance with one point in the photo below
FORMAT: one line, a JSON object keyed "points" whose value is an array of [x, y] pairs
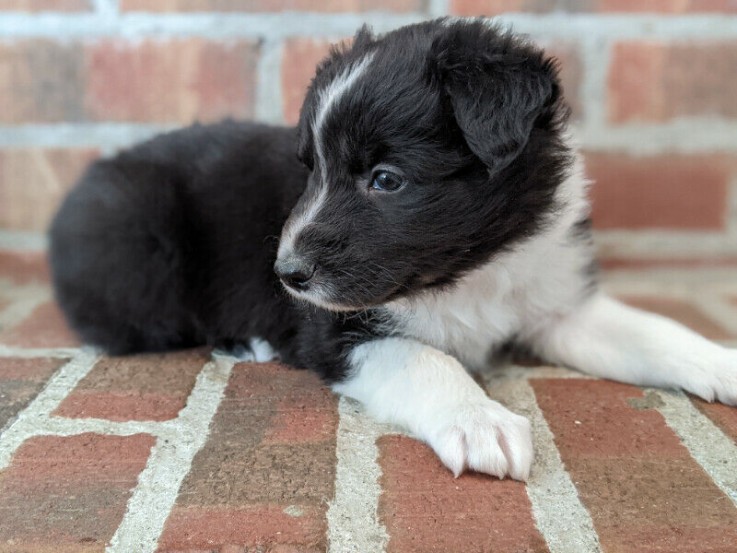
{"points": [[299, 60], [33, 182], [666, 192], [643, 490], [265, 476], [493, 7], [176, 80], [45, 5], [425, 509], [42, 81], [23, 267], [614, 262], [68, 494], [138, 387], [273, 5], [681, 311], [20, 381], [45, 327], [654, 82]]}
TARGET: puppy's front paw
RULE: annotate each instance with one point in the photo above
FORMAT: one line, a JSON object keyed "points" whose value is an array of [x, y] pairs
{"points": [[721, 381], [485, 437]]}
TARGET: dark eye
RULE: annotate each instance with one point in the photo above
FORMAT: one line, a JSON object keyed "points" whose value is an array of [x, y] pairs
{"points": [[386, 181]]}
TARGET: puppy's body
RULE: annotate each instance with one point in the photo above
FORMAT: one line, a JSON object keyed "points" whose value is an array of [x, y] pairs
{"points": [[442, 215]]}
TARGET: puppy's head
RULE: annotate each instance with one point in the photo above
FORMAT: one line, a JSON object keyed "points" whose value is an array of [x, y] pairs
{"points": [[431, 149]]}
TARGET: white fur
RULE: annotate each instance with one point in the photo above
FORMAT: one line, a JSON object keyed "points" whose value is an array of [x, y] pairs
{"points": [[611, 340], [328, 97], [509, 295], [404, 382]]}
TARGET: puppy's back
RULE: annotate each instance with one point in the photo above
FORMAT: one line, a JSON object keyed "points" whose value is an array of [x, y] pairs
{"points": [[132, 247]]}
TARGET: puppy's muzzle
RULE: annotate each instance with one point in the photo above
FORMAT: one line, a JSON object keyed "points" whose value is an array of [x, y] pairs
{"points": [[295, 272]]}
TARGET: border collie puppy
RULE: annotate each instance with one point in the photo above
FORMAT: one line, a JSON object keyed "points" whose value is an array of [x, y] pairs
{"points": [[438, 214]]}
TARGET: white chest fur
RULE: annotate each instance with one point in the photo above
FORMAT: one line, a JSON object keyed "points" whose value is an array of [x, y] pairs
{"points": [[512, 295]]}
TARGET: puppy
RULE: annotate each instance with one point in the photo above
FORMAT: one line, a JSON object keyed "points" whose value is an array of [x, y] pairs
{"points": [[437, 214]]}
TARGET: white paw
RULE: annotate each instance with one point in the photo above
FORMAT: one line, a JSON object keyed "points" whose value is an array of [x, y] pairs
{"points": [[257, 351], [484, 437], [719, 378]]}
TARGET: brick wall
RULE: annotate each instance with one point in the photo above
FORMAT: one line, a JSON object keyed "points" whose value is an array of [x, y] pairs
{"points": [[652, 83]]}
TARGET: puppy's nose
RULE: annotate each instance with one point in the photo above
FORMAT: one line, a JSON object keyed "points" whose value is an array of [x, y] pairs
{"points": [[295, 272]]}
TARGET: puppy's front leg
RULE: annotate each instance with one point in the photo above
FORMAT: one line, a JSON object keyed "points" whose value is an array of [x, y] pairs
{"points": [[429, 393], [609, 339]]}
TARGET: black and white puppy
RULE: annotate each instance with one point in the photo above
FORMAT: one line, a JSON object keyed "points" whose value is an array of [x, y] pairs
{"points": [[440, 215]]}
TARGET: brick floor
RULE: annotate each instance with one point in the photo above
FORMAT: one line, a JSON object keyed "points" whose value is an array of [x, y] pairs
{"points": [[140, 387], [94, 437], [20, 381], [68, 494], [265, 477]]}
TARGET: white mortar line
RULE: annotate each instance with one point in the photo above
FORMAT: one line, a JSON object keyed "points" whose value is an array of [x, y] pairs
{"points": [[438, 8], [170, 461], [26, 300], [106, 8], [595, 54], [29, 422], [28, 353], [17, 240], [63, 426], [269, 100], [709, 446], [78, 135], [353, 523], [281, 24], [561, 518]]}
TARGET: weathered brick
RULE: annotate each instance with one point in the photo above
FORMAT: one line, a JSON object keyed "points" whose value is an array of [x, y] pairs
{"points": [[655, 82], [22, 267], [42, 81], [33, 181], [45, 327], [274, 5], [266, 473], [140, 387], [644, 491], [684, 312], [493, 7], [299, 60], [666, 191], [425, 509], [613, 262], [177, 80], [45, 5], [724, 416], [68, 494], [20, 382]]}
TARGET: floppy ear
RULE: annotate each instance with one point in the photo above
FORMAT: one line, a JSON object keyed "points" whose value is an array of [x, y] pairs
{"points": [[498, 87]]}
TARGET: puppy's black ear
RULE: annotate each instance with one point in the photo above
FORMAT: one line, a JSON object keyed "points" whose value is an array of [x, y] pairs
{"points": [[498, 86]]}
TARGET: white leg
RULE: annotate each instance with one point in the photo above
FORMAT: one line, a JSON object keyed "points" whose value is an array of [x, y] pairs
{"points": [[609, 339], [429, 393]]}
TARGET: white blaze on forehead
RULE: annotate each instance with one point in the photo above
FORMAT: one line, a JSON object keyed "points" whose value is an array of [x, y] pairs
{"points": [[329, 96], [327, 99]]}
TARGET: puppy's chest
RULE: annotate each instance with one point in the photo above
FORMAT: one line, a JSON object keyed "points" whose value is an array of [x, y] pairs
{"points": [[468, 322]]}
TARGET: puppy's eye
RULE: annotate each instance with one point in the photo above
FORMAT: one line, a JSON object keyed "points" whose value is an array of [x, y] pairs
{"points": [[386, 181]]}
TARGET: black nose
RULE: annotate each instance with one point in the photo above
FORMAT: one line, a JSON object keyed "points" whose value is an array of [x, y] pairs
{"points": [[294, 272]]}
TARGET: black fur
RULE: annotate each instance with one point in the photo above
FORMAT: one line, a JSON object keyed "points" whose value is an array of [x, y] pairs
{"points": [[172, 243]]}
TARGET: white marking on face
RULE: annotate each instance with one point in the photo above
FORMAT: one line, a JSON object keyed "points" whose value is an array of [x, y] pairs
{"points": [[327, 99]]}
